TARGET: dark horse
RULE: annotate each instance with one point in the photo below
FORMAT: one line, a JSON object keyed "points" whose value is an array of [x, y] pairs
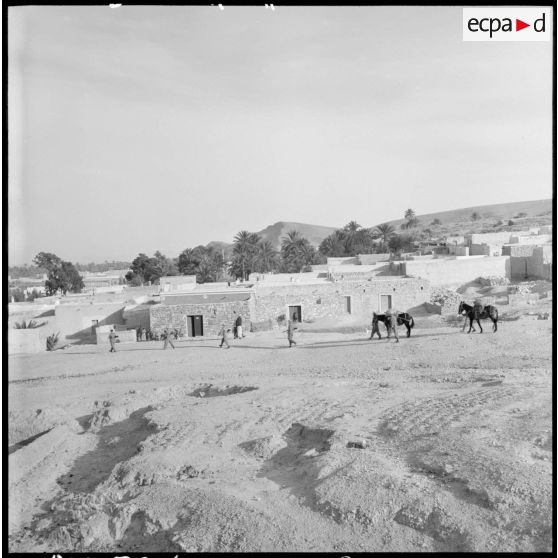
{"points": [[479, 312], [402, 318]]}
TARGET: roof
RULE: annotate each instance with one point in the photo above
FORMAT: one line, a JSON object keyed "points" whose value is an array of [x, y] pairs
{"points": [[203, 298]]}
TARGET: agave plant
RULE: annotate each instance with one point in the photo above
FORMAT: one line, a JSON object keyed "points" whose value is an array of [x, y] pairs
{"points": [[51, 341], [31, 324]]}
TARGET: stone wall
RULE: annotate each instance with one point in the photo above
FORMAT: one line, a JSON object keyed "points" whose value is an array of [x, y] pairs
{"points": [[458, 250], [347, 260], [369, 259], [456, 272], [495, 238], [330, 299], [485, 250], [540, 263], [538, 239], [518, 250], [176, 316]]}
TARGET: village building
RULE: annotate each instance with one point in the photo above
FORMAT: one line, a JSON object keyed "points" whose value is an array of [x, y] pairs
{"points": [[271, 300]]}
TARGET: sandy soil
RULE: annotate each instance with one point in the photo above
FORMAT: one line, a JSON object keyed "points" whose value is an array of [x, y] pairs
{"points": [[442, 442]]}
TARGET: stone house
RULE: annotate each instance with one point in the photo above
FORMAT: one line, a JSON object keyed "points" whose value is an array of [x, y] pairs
{"points": [[199, 313], [268, 304]]}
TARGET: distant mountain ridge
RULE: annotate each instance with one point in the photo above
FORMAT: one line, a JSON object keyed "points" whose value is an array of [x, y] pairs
{"points": [[316, 233], [313, 233], [503, 211]]}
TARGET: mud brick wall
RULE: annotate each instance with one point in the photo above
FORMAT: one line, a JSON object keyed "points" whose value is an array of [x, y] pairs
{"points": [[329, 299], [540, 263], [176, 316], [455, 272], [496, 238], [518, 250]]}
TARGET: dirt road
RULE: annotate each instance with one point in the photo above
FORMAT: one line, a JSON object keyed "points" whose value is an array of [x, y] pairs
{"points": [[442, 442]]}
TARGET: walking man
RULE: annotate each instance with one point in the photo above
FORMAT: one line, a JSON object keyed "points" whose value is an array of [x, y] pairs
{"points": [[224, 334], [168, 339], [391, 323], [112, 340], [290, 332]]}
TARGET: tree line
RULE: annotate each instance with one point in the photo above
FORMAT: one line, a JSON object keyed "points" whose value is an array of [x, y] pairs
{"points": [[249, 253]]}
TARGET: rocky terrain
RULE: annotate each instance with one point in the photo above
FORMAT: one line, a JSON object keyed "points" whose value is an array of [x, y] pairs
{"points": [[442, 442]]}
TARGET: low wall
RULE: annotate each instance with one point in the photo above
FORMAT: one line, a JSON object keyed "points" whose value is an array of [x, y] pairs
{"points": [[495, 239], [455, 272], [520, 299], [485, 250], [371, 259], [458, 250], [530, 239], [518, 250], [25, 341], [349, 260]]}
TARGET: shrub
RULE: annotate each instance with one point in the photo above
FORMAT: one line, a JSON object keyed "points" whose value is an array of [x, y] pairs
{"points": [[51, 341], [31, 324]]}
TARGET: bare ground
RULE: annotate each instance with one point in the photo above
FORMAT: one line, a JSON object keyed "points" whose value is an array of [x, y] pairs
{"points": [[442, 442]]}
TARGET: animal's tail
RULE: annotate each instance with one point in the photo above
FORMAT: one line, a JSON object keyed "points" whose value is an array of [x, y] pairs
{"points": [[412, 324]]}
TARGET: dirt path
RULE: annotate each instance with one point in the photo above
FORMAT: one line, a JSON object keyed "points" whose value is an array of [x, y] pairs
{"points": [[442, 442]]}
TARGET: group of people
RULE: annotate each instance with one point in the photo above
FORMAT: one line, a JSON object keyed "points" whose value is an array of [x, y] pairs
{"points": [[224, 332], [143, 334]]}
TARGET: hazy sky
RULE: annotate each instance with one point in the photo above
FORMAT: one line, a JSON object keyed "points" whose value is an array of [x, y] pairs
{"points": [[159, 127]]}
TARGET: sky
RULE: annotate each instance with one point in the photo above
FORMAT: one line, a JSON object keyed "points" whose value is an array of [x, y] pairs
{"points": [[147, 128]]}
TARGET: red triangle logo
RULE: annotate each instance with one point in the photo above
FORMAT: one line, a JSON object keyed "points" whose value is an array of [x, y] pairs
{"points": [[519, 25]]}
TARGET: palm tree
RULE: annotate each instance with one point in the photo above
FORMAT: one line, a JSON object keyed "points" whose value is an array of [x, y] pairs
{"points": [[244, 249], [296, 252], [410, 215], [385, 231], [266, 258], [333, 245]]}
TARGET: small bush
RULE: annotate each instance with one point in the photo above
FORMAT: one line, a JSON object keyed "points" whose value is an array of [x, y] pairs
{"points": [[51, 341], [31, 324]]}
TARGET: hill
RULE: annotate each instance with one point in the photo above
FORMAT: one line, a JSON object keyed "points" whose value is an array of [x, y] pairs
{"points": [[539, 211], [313, 233]]}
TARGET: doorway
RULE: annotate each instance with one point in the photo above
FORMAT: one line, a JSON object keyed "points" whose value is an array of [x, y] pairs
{"points": [[295, 313], [385, 303], [195, 326], [348, 304]]}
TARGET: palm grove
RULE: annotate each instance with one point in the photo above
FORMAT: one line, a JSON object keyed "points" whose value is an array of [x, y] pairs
{"points": [[249, 253]]}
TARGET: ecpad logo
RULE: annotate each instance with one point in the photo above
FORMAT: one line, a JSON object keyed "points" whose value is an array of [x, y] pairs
{"points": [[507, 24]]}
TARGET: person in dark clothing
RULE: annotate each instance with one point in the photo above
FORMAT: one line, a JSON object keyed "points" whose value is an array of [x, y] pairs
{"points": [[375, 326], [112, 340], [290, 332]]}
